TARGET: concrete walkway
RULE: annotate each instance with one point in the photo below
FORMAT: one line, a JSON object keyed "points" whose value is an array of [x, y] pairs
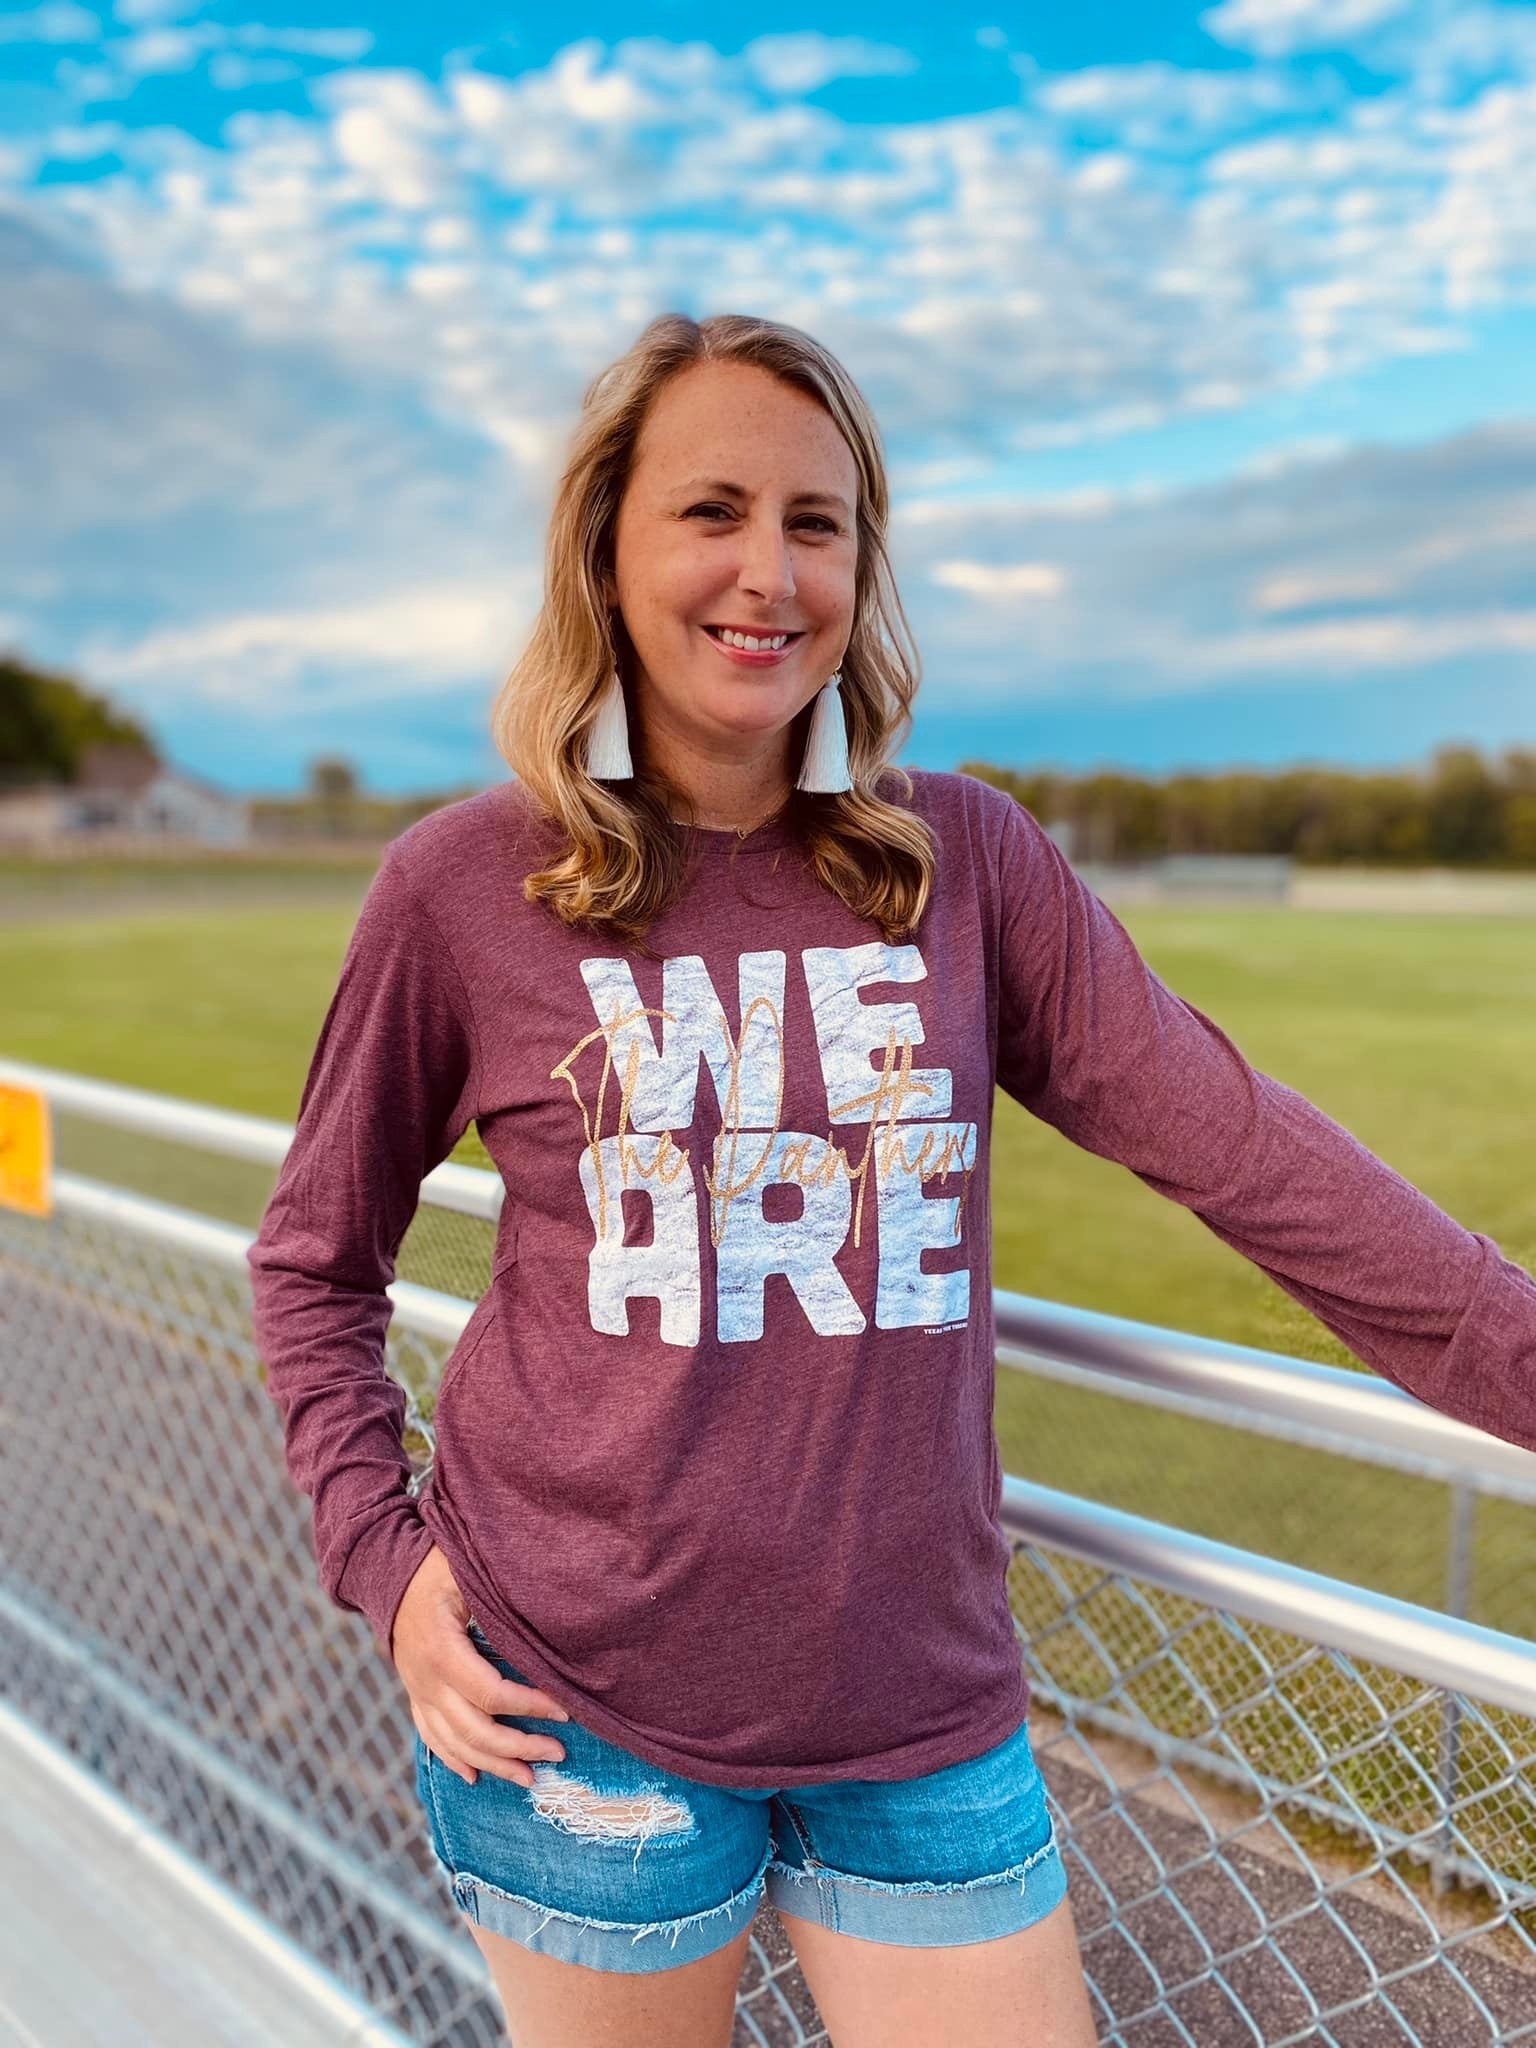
{"points": [[111, 1937]]}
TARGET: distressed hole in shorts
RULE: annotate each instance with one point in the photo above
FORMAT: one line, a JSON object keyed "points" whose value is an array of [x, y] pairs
{"points": [[648, 1814]]}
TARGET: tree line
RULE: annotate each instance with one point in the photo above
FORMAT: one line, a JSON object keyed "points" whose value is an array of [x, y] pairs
{"points": [[1462, 811], [47, 721]]}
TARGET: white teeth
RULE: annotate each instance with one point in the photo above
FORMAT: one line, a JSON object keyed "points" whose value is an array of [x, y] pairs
{"points": [[746, 640]]}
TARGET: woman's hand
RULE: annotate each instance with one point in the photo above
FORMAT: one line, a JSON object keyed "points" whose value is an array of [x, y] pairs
{"points": [[455, 1693]]}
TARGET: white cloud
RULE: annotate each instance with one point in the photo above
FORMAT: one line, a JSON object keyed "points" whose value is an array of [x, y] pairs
{"points": [[609, 98], [388, 130], [448, 232], [972, 265], [1009, 580], [806, 60], [233, 71], [89, 139], [82, 84], [356, 339], [1341, 649], [1287, 164], [136, 12], [1466, 42], [341, 45], [160, 43], [263, 536], [1295, 593], [157, 51], [232, 470], [57, 21], [477, 245], [1278, 28], [383, 642], [1321, 566], [1480, 232], [1401, 573], [1152, 106]]}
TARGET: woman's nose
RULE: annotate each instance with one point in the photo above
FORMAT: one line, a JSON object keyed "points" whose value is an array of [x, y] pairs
{"points": [[766, 569]]}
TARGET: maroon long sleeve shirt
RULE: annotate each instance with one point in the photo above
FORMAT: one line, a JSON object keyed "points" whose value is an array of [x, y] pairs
{"points": [[715, 1458]]}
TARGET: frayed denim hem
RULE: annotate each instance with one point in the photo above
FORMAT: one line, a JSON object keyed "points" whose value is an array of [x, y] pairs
{"points": [[607, 1944], [923, 1914]]}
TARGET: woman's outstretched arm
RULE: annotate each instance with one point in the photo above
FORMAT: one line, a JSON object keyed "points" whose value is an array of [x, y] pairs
{"points": [[1092, 1042]]}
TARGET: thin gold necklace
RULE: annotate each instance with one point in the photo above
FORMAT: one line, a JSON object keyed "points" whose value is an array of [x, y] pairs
{"points": [[742, 831]]}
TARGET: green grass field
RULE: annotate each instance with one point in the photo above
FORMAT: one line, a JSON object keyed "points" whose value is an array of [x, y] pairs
{"points": [[1415, 1032]]}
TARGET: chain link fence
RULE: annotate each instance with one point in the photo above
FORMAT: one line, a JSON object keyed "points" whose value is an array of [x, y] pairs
{"points": [[1292, 1809], [445, 1248], [160, 1618], [1377, 1514], [1259, 1839], [1385, 1515]]}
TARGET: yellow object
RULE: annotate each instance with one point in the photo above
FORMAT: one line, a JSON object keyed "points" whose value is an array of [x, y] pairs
{"points": [[26, 1152]]}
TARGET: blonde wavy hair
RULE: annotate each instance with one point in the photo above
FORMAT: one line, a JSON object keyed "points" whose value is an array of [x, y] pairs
{"points": [[622, 863]]}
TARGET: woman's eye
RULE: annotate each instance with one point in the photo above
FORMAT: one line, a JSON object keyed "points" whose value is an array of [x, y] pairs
{"points": [[811, 519]]}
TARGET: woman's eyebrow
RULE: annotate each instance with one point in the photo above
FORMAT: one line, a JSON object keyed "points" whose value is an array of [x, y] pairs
{"points": [[708, 483]]}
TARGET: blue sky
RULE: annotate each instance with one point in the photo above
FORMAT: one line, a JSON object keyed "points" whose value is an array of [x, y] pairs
{"points": [[1203, 343]]}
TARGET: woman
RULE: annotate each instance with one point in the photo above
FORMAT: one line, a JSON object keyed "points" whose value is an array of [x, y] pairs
{"points": [[705, 1599]]}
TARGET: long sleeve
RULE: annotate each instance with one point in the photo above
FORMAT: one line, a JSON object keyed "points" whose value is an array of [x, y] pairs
{"points": [[1093, 1043], [391, 1089]]}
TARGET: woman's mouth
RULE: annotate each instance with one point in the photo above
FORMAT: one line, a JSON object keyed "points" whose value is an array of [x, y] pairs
{"points": [[764, 655]]}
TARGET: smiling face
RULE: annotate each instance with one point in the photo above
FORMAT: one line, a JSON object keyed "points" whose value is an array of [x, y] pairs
{"points": [[739, 511]]}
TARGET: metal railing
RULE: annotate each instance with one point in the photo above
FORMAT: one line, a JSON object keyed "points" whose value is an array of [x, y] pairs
{"points": [[1452, 1503], [221, 1163], [1250, 1765], [1352, 1412], [1282, 1797]]}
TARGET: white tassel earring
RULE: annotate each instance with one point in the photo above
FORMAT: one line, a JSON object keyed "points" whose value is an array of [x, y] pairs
{"points": [[608, 757], [825, 767]]}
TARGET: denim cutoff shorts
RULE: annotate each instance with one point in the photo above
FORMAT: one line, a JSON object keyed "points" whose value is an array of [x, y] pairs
{"points": [[669, 1869]]}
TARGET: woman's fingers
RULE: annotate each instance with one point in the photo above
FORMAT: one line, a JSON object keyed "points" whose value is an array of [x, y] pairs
{"points": [[465, 1754], [488, 1742], [462, 1728], [478, 1679], [471, 1738], [469, 1764], [511, 1696]]}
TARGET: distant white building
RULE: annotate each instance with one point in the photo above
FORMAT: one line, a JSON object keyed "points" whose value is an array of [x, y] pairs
{"points": [[38, 812], [123, 792], [1263, 875], [186, 807]]}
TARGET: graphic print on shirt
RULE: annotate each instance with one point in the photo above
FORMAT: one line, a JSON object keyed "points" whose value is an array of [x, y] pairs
{"points": [[900, 1135]]}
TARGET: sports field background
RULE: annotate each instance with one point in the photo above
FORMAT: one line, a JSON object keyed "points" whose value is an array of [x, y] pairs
{"points": [[1417, 1032]]}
